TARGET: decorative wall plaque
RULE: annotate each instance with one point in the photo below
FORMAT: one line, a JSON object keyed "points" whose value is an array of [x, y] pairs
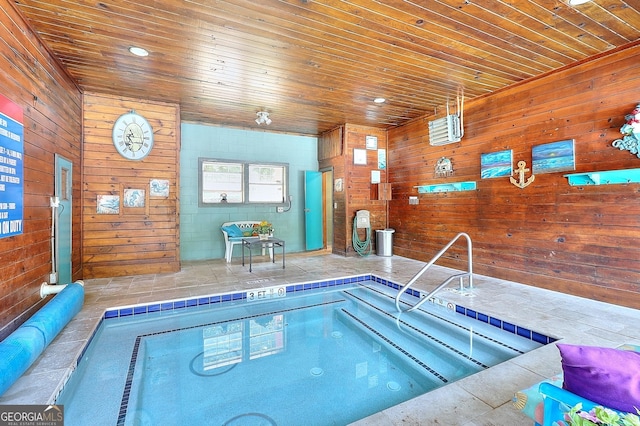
{"points": [[443, 167], [630, 133]]}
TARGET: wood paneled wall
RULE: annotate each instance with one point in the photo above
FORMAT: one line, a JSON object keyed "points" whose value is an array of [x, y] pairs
{"points": [[577, 240], [357, 188], [137, 240], [52, 106]]}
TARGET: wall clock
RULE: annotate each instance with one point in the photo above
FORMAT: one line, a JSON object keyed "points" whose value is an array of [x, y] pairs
{"points": [[132, 136]]}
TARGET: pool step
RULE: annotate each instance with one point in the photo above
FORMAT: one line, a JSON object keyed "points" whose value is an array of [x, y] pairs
{"points": [[462, 337], [509, 344], [426, 356]]}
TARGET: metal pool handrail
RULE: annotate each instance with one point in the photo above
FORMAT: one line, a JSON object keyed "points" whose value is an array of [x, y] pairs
{"points": [[461, 276]]}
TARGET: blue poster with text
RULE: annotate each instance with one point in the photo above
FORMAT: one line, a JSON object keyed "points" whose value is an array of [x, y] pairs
{"points": [[11, 176]]}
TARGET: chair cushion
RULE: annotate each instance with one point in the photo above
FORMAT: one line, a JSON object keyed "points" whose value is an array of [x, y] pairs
{"points": [[233, 230], [606, 376], [530, 400]]}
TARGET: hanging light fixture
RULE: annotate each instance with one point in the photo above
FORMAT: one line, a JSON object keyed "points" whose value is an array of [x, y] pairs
{"points": [[263, 118]]}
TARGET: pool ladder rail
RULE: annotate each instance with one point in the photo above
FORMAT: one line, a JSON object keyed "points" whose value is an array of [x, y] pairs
{"points": [[461, 276]]}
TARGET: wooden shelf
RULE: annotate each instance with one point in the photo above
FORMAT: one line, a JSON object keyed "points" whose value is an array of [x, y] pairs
{"points": [[446, 187], [609, 177]]}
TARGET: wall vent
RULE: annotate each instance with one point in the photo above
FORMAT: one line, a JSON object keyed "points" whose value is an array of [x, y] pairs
{"points": [[445, 130], [448, 129]]}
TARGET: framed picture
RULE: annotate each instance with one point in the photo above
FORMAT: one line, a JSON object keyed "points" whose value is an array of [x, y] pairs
{"points": [[108, 204], [134, 198], [359, 156], [371, 142], [554, 157], [382, 159], [496, 164], [159, 188]]}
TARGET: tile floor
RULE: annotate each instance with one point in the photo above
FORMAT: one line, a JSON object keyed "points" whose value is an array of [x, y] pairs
{"points": [[481, 399]]}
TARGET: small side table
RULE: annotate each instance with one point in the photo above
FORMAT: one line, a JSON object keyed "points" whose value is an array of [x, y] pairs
{"points": [[270, 242]]}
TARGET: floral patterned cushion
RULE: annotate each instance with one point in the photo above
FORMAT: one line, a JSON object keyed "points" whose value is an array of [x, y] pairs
{"points": [[530, 401]]}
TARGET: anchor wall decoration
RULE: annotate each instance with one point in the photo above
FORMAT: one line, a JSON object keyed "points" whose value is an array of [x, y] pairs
{"points": [[522, 183]]}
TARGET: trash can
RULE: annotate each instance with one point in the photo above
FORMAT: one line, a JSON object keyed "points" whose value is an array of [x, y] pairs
{"points": [[384, 242]]}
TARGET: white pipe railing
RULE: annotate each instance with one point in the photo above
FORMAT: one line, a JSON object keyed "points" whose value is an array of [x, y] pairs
{"points": [[469, 273]]}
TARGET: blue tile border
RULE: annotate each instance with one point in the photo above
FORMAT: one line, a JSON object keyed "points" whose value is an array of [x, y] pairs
{"points": [[227, 297], [313, 285], [506, 326], [471, 313]]}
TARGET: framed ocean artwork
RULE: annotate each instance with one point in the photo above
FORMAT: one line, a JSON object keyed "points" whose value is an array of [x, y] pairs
{"points": [[134, 197], [159, 188], [496, 164], [108, 204], [554, 157]]}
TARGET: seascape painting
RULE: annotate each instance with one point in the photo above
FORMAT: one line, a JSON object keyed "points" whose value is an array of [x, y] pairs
{"points": [[554, 157], [496, 164]]}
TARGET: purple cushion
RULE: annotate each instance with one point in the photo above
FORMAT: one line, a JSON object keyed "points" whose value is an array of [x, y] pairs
{"points": [[606, 376]]}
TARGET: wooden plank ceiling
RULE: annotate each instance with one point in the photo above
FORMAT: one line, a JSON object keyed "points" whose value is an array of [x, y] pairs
{"points": [[315, 64]]}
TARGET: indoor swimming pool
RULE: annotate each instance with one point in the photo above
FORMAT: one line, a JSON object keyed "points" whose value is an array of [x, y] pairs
{"points": [[327, 353]]}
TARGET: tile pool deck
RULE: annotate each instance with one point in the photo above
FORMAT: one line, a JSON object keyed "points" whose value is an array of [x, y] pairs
{"points": [[481, 399]]}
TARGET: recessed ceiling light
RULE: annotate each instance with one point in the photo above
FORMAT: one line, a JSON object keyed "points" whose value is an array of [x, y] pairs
{"points": [[379, 100], [577, 2], [138, 51]]}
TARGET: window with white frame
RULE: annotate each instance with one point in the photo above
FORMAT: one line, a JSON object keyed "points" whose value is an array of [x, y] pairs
{"points": [[224, 182]]}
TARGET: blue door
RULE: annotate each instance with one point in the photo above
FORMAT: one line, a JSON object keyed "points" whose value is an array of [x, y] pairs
{"points": [[313, 210], [62, 220]]}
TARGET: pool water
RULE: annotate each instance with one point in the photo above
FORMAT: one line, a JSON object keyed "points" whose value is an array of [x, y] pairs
{"points": [[327, 356]]}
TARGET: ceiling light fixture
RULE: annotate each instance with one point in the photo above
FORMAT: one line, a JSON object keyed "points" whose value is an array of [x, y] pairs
{"points": [[138, 51], [577, 2], [379, 100], [263, 118]]}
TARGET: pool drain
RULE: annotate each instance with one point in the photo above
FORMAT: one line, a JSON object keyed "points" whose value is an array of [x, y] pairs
{"points": [[250, 419], [336, 335], [393, 386], [316, 371]]}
